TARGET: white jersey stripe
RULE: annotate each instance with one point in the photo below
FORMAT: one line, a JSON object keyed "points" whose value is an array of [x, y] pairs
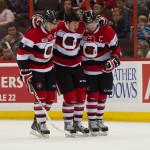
{"points": [[102, 58], [68, 53], [27, 42], [100, 45], [66, 65], [113, 42], [32, 57], [23, 57], [42, 70], [61, 34], [42, 45], [92, 72]]}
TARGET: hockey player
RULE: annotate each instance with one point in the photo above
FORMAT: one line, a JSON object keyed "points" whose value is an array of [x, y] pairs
{"points": [[70, 76], [69, 73], [100, 57], [34, 57]]}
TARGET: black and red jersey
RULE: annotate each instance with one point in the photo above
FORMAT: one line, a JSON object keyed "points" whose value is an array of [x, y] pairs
{"points": [[67, 50], [36, 50], [97, 48]]}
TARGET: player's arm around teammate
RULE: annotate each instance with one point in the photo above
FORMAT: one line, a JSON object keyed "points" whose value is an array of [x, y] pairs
{"points": [[70, 76], [69, 73], [35, 59], [100, 57]]}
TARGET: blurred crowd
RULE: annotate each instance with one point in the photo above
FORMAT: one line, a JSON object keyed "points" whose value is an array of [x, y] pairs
{"points": [[143, 28], [14, 21]]}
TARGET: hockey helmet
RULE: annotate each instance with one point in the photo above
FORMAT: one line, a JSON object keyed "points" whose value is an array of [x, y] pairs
{"points": [[50, 16], [89, 16]]}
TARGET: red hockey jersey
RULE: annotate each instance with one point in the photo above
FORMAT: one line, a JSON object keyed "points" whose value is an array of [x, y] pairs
{"points": [[97, 48], [36, 50], [67, 50]]}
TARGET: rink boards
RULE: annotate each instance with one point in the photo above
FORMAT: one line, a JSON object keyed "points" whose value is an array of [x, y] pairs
{"points": [[130, 100]]}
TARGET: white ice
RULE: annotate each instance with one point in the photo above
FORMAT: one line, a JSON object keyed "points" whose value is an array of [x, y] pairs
{"points": [[15, 135]]}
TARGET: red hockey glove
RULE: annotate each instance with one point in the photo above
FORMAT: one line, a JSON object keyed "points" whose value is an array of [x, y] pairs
{"points": [[103, 22], [25, 76], [36, 20], [110, 65]]}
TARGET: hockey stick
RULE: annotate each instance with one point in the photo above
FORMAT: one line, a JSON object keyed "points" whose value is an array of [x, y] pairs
{"points": [[39, 101], [9, 47]]}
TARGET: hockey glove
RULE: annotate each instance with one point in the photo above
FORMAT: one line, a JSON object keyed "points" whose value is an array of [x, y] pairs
{"points": [[103, 22], [36, 20], [25, 76], [110, 65]]}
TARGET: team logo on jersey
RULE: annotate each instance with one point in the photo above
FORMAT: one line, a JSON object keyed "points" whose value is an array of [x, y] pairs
{"points": [[69, 41], [90, 50], [48, 50], [90, 38]]}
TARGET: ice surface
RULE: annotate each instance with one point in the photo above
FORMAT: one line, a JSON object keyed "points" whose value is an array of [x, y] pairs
{"points": [[15, 135]]}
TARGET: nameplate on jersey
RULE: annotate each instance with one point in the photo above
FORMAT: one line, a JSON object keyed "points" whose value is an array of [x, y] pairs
{"points": [[90, 50], [48, 50], [69, 41]]}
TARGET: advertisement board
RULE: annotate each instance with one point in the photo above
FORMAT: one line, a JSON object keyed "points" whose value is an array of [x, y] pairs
{"points": [[125, 86], [12, 89], [146, 83], [131, 89]]}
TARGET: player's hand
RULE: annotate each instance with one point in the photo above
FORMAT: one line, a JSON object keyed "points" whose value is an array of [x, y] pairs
{"points": [[26, 76], [36, 20], [103, 22], [110, 65]]}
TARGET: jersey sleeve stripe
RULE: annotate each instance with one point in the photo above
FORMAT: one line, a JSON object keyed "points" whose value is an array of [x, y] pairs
{"points": [[25, 47], [38, 59], [40, 63], [22, 64], [42, 66], [113, 42], [27, 42], [22, 57]]}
